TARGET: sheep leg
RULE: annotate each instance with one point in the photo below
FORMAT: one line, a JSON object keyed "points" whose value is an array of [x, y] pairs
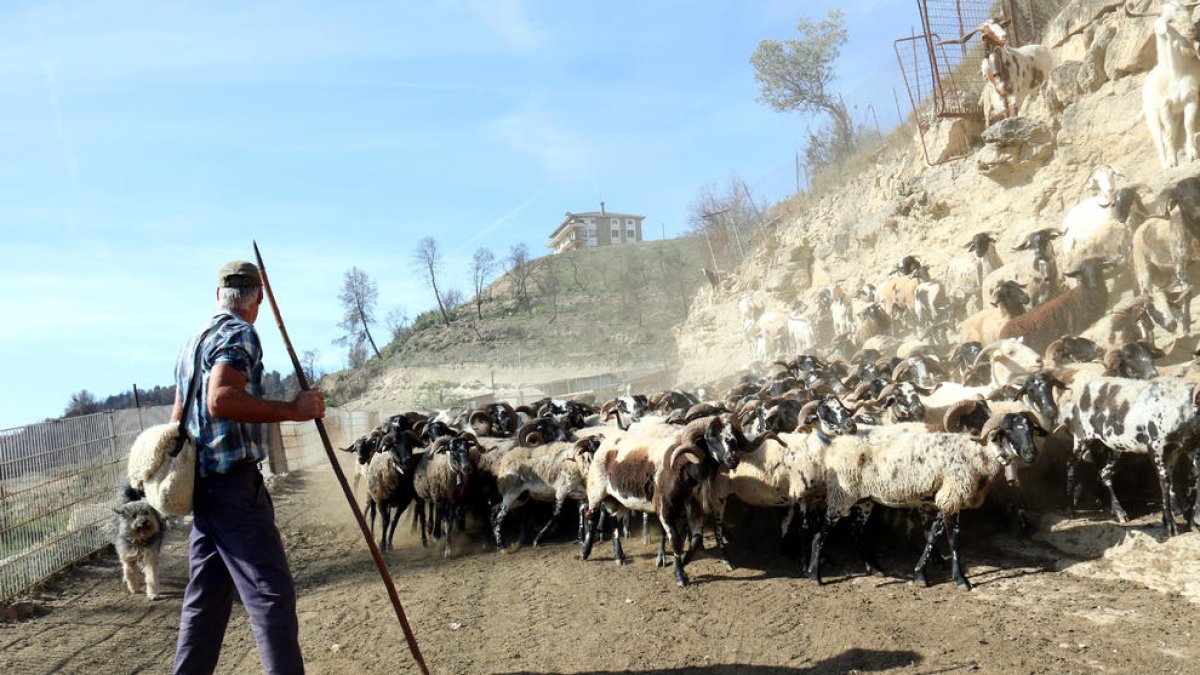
{"points": [[549, 526], [1189, 511], [618, 552], [645, 528], [814, 562], [695, 524], [369, 512], [674, 537], [935, 529], [391, 532], [955, 560], [385, 514], [419, 516], [1168, 500], [626, 522], [593, 527], [660, 560], [498, 514], [1106, 476], [1189, 128], [582, 521], [1072, 486], [448, 523], [862, 513], [719, 532]]}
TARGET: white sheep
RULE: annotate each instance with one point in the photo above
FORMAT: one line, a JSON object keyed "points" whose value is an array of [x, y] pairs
{"points": [[906, 467], [551, 473]]}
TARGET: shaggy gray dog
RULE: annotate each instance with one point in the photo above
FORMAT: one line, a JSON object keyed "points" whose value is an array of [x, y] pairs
{"points": [[138, 536]]}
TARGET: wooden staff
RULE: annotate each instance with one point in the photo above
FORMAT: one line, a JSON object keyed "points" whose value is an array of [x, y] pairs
{"points": [[337, 470]]}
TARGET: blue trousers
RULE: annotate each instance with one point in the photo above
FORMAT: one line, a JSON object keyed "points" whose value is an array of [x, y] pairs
{"points": [[236, 546]]}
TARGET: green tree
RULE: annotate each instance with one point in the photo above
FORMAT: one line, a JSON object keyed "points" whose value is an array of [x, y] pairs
{"points": [[796, 75]]}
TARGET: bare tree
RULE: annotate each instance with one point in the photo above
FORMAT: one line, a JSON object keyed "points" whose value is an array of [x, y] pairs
{"points": [[359, 295], [483, 263], [575, 272], [397, 322], [520, 271], [308, 361], [357, 356], [82, 402], [430, 260], [451, 299]]}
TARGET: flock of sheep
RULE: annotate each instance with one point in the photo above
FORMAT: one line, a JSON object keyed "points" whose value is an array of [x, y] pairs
{"points": [[916, 393]]}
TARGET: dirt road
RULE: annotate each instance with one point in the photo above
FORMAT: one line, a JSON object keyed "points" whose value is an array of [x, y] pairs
{"points": [[546, 611]]}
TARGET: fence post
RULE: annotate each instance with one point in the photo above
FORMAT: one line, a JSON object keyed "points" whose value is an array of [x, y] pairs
{"points": [[276, 455]]}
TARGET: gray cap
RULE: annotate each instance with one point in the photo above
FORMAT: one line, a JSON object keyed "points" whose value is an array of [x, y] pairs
{"points": [[238, 274]]}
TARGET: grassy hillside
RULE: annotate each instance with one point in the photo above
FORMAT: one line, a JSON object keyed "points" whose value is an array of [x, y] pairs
{"points": [[613, 306]]}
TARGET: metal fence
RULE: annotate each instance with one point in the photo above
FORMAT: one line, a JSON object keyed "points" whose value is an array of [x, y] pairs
{"points": [[58, 479], [58, 482]]}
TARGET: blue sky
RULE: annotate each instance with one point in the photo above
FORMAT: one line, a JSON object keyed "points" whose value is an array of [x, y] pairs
{"points": [[146, 144]]}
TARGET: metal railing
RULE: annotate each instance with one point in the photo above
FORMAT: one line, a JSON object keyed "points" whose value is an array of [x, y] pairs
{"points": [[58, 482], [57, 486]]}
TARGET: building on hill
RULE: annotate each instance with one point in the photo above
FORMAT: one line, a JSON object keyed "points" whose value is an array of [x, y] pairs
{"points": [[595, 228]]}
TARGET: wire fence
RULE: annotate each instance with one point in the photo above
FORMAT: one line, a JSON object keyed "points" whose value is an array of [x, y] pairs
{"points": [[58, 479], [58, 482]]}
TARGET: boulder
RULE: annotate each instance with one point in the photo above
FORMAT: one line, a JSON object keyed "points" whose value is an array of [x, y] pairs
{"points": [[1075, 18], [1131, 49], [1013, 148], [950, 138]]}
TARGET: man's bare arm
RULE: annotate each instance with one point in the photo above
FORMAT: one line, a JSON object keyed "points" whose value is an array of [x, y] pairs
{"points": [[227, 398]]}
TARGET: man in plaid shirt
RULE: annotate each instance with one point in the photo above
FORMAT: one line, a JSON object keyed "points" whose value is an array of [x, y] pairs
{"points": [[234, 544]]}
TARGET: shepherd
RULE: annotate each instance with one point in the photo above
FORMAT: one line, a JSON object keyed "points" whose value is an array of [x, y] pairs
{"points": [[234, 543]]}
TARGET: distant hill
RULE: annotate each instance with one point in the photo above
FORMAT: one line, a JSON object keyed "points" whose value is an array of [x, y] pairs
{"points": [[614, 305]]}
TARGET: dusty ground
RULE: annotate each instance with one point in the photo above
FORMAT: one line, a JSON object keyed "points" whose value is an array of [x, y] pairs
{"points": [[1034, 608]]}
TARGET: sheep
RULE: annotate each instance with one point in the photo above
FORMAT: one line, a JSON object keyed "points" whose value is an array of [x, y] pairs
{"points": [[1131, 319], [550, 473], [1068, 313], [801, 334], [1172, 87], [1071, 349], [1037, 274], [363, 448], [909, 468], [495, 419], [1008, 300], [898, 293], [875, 321], [1134, 361], [666, 474], [930, 302], [788, 471], [1156, 417], [964, 276], [390, 482], [1101, 225], [441, 478], [1010, 74]]}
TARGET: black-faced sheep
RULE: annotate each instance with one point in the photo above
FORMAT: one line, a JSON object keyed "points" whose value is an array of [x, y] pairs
{"points": [[905, 467]]}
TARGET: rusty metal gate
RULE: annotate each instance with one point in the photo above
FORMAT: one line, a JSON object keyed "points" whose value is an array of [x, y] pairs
{"points": [[943, 79]]}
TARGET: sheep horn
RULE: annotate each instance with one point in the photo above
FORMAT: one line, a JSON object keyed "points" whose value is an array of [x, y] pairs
{"points": [[440, 445], [861, 389], [952, 420], [989, 427], [901, 370], [689, 453], [763, 438], [884, 393], [808, 409], [959, 41], [1112, 361], [984, 354], [1196, 396]]}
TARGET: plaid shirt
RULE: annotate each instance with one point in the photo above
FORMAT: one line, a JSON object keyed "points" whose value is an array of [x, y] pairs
{"points": [[220, 442]]}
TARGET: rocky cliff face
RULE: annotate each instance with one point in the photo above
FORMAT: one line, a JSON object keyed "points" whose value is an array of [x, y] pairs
{"points": [[1023, 174]]}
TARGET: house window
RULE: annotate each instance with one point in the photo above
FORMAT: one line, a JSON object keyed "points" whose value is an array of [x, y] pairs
{"points": [[616, 222], [629, 222], [616, 235], [592, 233], [590, 221], [630, 235]]}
